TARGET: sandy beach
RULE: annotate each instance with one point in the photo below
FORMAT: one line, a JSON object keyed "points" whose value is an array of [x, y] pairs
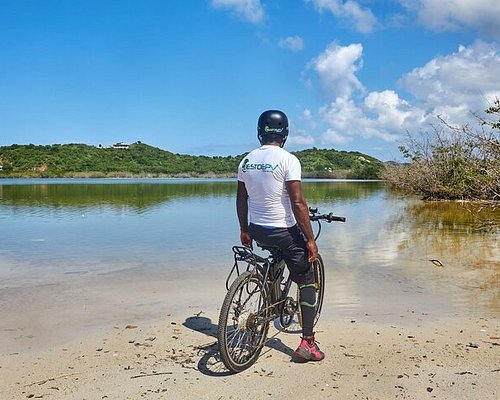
{"points": [[176, 357], [119, 303], [127, 334]]}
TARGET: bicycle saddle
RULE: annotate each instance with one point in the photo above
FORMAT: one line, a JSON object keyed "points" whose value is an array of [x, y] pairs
{"points": [[272, 249]]}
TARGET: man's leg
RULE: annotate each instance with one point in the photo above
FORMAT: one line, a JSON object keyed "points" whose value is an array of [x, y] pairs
{"points": [[296, 257], [308, 308], [294, 251]]}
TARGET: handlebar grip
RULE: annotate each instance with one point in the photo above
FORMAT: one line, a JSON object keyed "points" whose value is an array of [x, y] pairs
{"points": [[327, 217], [334, 218]]}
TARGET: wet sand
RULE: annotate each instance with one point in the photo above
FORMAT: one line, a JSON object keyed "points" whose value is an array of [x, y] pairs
{"points": [[119, 336]]}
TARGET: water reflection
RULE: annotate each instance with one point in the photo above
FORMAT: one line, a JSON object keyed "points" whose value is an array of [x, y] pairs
{"points": [[377, 263], [139, 195], [452, 242], [318, 191], [457, 217]]}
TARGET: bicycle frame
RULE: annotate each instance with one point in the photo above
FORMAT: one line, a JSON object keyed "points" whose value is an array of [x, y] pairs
{"points": [[264, 266], [258, 293]]}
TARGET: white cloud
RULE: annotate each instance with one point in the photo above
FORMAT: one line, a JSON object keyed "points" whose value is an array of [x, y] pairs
{"points": [[300, 138], [345, 119], [336, 68], [393, 114], [450, 86], [464, 80], [363, 18], [380, 115], [452, 15], [331, 136], [341, 114], [293, 43], [308, 117], [307, 114], [251, 10]]}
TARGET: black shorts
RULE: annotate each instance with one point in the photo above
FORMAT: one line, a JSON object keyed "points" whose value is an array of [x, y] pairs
{"points": [[293, 249]]}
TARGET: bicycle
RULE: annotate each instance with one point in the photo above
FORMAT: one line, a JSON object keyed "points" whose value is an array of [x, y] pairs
{"points": [[259, 295]]}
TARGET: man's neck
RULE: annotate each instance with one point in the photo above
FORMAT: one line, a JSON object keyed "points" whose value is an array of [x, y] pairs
{"points": [[272, 144]]}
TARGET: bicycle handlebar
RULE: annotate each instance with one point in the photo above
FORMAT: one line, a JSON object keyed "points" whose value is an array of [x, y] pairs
{"points": [[324, 217]]}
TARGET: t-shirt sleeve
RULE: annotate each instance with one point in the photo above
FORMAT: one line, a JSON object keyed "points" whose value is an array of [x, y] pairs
{"points": [[294, 170], [240, 171]]}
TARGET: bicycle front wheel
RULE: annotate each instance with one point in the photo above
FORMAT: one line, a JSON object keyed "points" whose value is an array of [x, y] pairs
{"points": [[319, 284], [243, 322]]}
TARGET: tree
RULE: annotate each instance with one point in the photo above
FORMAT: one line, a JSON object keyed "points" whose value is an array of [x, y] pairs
{"points": [[452, 162]]}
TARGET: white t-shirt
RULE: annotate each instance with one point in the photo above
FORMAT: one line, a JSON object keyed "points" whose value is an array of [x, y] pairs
{"points": [[264, 172]]}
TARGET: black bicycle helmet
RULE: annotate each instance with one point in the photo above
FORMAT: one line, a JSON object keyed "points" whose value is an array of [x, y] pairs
{"points": [[272, 126]]}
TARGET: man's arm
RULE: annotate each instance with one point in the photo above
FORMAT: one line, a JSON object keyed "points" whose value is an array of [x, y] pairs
{"points": [[242, 211], [301, 213]]}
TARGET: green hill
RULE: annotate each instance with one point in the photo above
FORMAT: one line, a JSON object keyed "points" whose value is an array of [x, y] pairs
{"points": [[330, 163], [139, 159]]}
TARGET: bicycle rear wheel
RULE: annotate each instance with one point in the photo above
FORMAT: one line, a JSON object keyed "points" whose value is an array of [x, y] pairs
{"points": [[243, 322], [319, 284]]}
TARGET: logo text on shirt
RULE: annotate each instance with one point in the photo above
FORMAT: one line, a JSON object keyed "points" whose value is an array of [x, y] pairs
{"points": [[247, 166]]}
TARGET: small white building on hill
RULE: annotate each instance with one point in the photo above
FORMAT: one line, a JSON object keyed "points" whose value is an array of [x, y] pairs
{"points": [[121, 145]]}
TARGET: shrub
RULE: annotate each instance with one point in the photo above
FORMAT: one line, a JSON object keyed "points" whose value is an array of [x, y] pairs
{"points": [[452, 162]]}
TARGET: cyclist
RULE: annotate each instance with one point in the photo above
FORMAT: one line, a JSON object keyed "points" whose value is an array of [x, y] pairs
{"points": [[272, 210]]}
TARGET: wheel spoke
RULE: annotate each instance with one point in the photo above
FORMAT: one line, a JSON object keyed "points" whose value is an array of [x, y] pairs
{"points": [[231, 336], [242, 325]]}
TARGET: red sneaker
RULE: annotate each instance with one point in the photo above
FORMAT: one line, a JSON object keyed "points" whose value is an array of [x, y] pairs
{"points": [[308, 350]]}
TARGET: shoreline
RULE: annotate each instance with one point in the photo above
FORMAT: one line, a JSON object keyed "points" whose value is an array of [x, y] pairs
{"points": [[40, 312], [121, 335], [173, 176], [453, 358]]}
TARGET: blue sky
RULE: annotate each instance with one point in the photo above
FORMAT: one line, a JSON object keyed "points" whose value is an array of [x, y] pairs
{"points": [[192, 77]]}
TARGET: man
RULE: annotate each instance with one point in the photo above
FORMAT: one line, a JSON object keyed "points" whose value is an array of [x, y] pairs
{"points": [[272, 210]]}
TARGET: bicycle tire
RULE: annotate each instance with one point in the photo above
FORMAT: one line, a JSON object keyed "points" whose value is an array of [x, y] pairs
{"points": [[243, 324], [319, 281], [287, 311]]}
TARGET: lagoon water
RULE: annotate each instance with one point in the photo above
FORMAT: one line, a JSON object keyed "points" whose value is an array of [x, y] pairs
{"points": [[136, 248]]}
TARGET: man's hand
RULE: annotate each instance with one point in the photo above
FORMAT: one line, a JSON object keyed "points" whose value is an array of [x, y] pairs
{"points": [[246, 240], [313, 250]]}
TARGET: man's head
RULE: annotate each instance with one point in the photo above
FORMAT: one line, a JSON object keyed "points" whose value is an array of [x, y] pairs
{"points": [[272, 127]]}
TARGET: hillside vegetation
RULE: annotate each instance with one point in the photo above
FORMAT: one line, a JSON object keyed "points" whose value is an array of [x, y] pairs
{"points": [[81, 160]]}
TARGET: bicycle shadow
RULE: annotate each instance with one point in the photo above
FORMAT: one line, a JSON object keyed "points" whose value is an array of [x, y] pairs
{"points": [[210, 362], [274, 343]]}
